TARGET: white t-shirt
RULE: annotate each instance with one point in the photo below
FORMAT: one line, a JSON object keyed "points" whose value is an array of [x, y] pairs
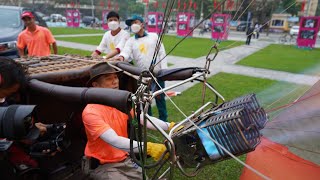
{"points": [[110, 42], [141, 50]]}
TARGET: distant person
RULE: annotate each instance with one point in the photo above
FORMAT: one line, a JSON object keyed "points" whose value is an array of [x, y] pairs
{"points": [[141, 48], [257, 30], [249, 35], [35, 38], [113, 41]]}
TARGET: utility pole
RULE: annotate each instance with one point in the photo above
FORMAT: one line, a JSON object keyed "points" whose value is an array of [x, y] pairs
{"points": [[92, 8], [201, 11], [307, 13]]}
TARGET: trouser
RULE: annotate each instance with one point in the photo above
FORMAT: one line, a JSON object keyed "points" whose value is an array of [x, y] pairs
{"points": [[248, 40], [160, 101], [124, 170]]}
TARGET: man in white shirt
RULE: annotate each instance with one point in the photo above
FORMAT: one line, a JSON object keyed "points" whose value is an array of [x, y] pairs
{"points": [[113, 41], [141, 48]]}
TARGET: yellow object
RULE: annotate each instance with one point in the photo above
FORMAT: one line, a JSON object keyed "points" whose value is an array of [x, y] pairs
{"points": [[171, 125], [155, 150], [143, 49], [112, 46]]}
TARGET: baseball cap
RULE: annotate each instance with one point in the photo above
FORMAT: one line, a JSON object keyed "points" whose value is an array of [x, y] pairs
{"points": [[133, 18], [27, 14]]}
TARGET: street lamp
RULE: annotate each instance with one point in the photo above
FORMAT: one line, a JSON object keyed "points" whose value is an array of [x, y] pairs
{"points": [[92, 8]]}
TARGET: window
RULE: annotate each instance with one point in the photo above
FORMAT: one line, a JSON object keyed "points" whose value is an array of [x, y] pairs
{"points": [[277, 22]]}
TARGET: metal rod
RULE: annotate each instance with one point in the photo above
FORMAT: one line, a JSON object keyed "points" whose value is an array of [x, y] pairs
{"points": [[195, 76]]}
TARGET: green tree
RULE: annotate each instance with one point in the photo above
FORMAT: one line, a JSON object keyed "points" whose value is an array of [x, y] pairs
{"points": [[294, 9]]}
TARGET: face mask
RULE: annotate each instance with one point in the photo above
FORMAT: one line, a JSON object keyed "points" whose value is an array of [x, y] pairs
{"points": [[135, 28], [113, 25]]}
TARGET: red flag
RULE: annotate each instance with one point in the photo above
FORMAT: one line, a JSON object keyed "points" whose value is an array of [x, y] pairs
{"points": [[230, 4], [155, 5], [72, 4], [190, 4], [117, 6], [303, 5], [178, 4], [109, 4], [163, 5], [184, 5], [147, 2], [101, 3], [194, 5]]}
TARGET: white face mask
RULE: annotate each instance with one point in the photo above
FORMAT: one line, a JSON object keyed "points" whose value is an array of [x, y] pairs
{"points": [[135, 28], [113, 25]]}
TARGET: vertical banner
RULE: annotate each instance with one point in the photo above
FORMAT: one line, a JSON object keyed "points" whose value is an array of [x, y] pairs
{"points": [[73, 17], [104, 19], [76, 18], [185, 23], [220, 25], [154, 23], [308, 31]]}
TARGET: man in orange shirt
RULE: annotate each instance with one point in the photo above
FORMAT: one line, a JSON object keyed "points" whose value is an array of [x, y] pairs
{"points": [[36, 38], [106, 129]]}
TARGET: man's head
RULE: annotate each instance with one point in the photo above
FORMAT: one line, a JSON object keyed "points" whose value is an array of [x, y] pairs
{"points": [[113, 20], [102, 75], [136, 23], [12, 77], [28, 19]]}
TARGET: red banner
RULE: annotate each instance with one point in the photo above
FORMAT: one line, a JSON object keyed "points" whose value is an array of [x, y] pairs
{"points": [[230, 4], [117, 6], [303, 5], [147, 2], [102, 4], [109, 4], [184, 6], [72, 4], [178, 4], [194, 5], [163, 5], [155, 5], [190, 4]]}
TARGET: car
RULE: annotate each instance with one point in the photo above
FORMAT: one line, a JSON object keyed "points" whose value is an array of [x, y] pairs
{"points": [[242, 26], [88, 20], [11, 26], [294, 31]]}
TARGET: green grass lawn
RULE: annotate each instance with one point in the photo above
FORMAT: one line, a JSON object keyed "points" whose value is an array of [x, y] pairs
{"points": [[63, 30], [285, 58], [270, 94], [191, 47], [64, 50]]}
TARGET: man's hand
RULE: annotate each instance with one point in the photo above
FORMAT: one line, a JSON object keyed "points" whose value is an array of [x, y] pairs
{"points": [[118, 58], [42, 128], [94, 54]]}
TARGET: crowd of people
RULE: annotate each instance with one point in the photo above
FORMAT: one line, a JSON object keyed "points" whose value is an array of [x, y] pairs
{"points": [[105, 126]]}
